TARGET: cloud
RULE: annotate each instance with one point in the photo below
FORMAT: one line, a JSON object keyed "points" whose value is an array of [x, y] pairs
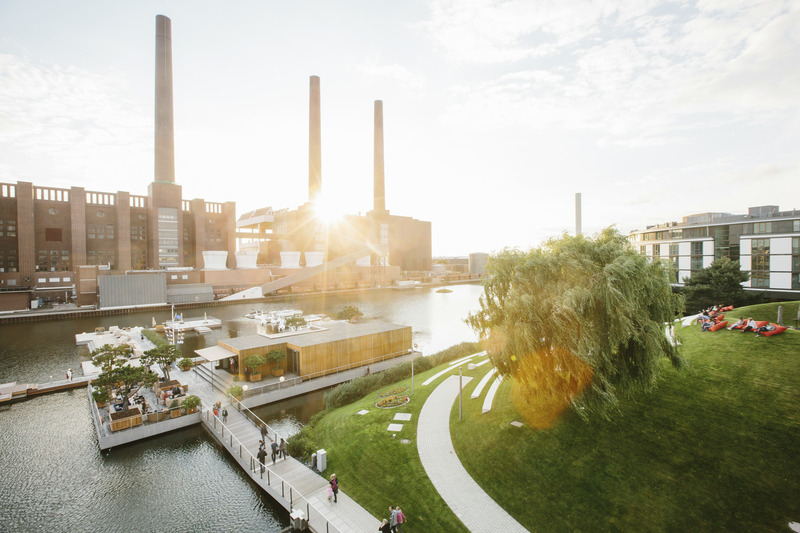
{"points": [[69, 122], [393, 72], [637, 73]]}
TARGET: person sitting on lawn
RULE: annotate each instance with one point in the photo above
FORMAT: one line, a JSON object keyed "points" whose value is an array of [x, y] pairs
{"points": [[750, 326], [768, 327], [707, 323], [739, 322]]}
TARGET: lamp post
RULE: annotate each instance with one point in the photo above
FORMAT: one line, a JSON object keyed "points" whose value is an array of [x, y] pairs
{"points": [[412, 368], [459, 392]]}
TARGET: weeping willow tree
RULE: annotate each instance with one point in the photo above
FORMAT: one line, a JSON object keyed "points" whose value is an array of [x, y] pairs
{"points": [[576, 322]]}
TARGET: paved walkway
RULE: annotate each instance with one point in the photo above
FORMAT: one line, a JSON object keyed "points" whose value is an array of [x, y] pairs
{"points": [[468, 501]]}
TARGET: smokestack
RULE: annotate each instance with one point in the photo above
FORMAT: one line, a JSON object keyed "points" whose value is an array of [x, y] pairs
{"points": [[379, 192], [577, 213], [165, 131], [314, 143]]}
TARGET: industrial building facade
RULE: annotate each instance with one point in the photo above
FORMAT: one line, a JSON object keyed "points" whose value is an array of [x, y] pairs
{"points": [[765, 242], [47, 232]]}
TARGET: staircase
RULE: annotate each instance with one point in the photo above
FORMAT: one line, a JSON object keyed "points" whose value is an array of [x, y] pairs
{"points": [[219, 379]]}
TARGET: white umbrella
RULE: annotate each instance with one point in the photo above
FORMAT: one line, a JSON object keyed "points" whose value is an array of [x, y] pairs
{"points": [[780, 315]]}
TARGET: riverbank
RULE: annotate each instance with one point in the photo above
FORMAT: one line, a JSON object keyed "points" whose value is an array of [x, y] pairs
{"points": [[71, 312], [714, 447]]}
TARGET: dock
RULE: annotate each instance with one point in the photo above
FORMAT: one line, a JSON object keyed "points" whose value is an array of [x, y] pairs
{"points": [[20, 391], [299, 489]]}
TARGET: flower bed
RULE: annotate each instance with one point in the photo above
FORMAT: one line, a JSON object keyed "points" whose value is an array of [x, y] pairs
{"points": [[390, 402]]}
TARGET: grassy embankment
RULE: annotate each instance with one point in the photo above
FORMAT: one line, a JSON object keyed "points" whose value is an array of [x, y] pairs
{"points": [[714, 448]]}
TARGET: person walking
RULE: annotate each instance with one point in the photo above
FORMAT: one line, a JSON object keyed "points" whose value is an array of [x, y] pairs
{"points": [[69, 374], [224, 415], [282, 449], [262, 455], [385, 527], [264, 432], [400, 519], [274, 447], [334, 486], [392, 519]]}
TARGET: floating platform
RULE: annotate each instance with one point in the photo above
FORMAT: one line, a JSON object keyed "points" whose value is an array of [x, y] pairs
{"points": [[193, 323], [116, 336]]}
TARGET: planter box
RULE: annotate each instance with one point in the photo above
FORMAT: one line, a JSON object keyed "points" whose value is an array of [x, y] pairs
{"points": [[125, 419], [157, 417], [255, 377], [175, 413], [277, 372]]}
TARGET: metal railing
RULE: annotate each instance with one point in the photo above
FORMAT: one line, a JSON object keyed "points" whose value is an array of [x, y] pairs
{"points": [[262, 389], [257, 471], [242, 407]]}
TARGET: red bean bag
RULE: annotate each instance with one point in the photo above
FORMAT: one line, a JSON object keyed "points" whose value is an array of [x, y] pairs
{"points": [[778, 329], [719, 317], [740, 326], [761, 323], [729, 308], [721, 325]]}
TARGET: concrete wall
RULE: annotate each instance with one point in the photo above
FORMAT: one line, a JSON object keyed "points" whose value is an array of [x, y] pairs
{"points": [[116, 291]]}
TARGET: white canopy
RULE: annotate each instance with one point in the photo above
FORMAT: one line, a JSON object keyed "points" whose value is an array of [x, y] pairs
{"points": [[215, 353]]}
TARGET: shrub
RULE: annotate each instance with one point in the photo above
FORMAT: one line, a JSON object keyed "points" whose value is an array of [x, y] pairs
{"points": [[155, 338], [183, 363], [358, 388], [254, 361], [236, 391], [301, 445], [191, 402]]}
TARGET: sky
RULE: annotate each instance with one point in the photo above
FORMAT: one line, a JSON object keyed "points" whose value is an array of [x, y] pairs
{"points": [[495, 112]]}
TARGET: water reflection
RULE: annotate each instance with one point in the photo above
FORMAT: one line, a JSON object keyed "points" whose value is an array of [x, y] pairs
{"points": [[56, 479]]}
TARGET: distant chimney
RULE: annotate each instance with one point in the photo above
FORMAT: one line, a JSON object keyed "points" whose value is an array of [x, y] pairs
{"points": [[578, 213], [314, 143], [379, 191], [165, 131]]}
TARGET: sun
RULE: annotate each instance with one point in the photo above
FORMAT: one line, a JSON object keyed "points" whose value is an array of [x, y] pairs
{"points": [[327, 211]]}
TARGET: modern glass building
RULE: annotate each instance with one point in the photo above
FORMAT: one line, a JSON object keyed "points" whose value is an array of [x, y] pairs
{"points": [[765, 242]]}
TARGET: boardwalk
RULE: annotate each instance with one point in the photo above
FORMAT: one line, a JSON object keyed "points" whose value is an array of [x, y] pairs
{"points": [[288, 481], [468, 501]]}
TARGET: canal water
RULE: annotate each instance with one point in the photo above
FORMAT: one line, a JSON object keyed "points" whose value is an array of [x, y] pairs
{"points": [[54, 478]]}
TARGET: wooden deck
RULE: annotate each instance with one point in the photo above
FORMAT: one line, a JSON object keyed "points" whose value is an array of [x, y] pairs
{"points": [[292, 484], [19, 391]]}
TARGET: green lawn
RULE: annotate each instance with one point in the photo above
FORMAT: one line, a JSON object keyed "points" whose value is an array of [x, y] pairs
{"points": [[713, 448]]}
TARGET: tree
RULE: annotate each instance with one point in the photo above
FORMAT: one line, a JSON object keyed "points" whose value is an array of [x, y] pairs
{"points": [[351, 313], [108, 355], [719, 283], [575, 322], [163, 356], [125, 378]]}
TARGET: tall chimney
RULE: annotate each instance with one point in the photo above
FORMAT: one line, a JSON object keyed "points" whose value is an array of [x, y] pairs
{"points": [[314, 143], [577, 214], [165, 131], [379, 190]]}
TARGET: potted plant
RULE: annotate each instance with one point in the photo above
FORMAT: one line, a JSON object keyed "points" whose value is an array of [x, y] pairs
{"points": [[185, 364], [276, 357], [253, 364], [175, 409], [190, 404], [236, 391], [100, 397]]}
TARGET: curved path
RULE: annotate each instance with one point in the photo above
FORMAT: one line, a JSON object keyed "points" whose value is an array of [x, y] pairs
{"points": [[468, 501]]}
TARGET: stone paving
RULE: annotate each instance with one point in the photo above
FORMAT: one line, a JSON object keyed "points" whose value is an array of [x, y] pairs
{"points": [[460, 492]]}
